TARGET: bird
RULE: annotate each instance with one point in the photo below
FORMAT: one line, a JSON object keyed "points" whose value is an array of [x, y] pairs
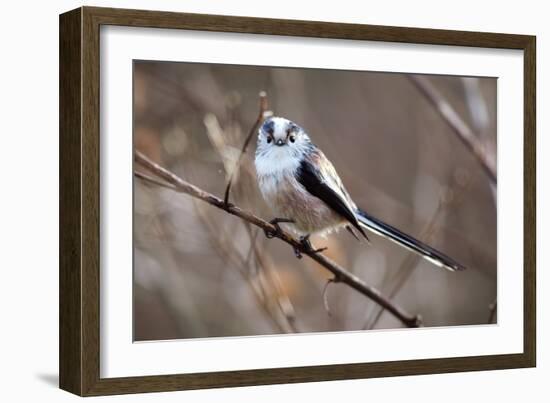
{"points": [[304, 191]]}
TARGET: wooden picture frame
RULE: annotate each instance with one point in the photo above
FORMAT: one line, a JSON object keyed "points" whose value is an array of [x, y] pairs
{"points": [[79, 200]]}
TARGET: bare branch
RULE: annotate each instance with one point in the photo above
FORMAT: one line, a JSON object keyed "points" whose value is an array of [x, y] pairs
{"points": [[464, 133], [253, 130], [153, 181], [342, 274]]}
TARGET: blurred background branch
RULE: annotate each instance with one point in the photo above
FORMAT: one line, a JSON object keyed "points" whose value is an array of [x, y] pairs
{"points": [[457, 124]]}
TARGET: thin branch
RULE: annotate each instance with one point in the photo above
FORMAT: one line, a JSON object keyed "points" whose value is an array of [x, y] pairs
{"points": [[325, 294], [253, 130], [342, 274], [464, 133], [153, 181]]}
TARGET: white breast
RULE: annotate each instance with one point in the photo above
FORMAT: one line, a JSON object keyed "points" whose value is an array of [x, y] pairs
{"points": [[277, 161], [273, 168]]}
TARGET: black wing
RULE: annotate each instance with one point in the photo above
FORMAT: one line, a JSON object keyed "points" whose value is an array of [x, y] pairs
{"points": [[314, 182]]}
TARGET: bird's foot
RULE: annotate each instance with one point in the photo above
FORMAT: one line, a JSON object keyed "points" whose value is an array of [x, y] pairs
{"points": [[307, 247], [278, 231]]}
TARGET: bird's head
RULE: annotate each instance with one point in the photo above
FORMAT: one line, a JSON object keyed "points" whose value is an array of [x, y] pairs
{"points": [[283, 138]]}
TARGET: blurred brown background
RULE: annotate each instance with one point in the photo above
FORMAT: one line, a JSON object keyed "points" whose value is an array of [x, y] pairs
{"points": [[199, 272]]}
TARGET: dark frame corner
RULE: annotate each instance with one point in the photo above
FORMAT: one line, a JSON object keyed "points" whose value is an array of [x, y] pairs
{"points": [[79, 200]]}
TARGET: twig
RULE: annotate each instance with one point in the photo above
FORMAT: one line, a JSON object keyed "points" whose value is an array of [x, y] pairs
{"points": [[343, 275], [456, 123], [325, 293], [253, 129], [153, 181]]}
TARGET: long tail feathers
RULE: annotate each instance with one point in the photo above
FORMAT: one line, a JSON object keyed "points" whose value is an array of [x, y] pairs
{"points": [[387, 231]]}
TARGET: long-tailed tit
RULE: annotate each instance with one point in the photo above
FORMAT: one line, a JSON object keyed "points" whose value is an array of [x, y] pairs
{"points": [[304, 190]]}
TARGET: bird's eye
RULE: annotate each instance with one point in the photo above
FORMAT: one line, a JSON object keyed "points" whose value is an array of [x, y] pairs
{"points": [[292, 138], [269, 139]]}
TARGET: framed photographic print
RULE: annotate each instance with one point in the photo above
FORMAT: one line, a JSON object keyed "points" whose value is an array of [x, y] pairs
{"points": [[250, 201]]}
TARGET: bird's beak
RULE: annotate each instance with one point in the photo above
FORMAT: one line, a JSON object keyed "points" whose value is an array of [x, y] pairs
{"points": [[280, 142]]}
